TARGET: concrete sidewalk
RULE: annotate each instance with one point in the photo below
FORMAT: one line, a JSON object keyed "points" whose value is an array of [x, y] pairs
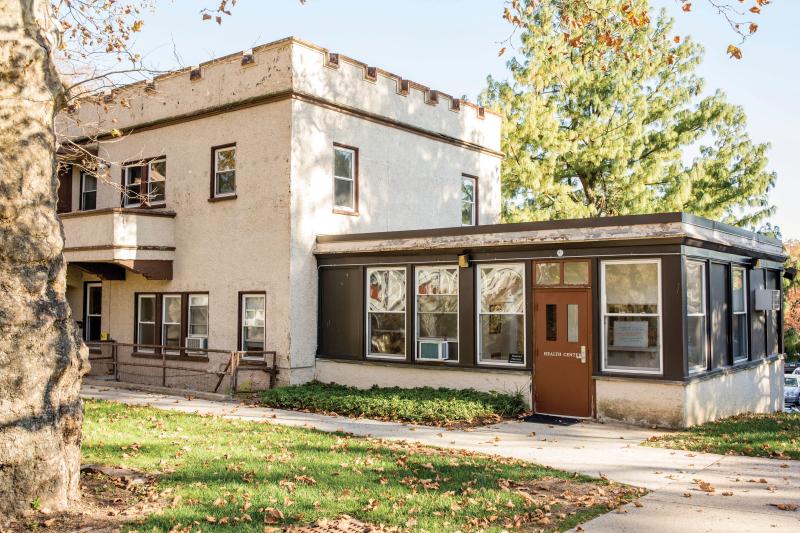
{"points": [[741, 501]]}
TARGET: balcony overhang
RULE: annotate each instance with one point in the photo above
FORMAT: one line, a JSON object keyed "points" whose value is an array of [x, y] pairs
{"points": [[109, 242]]}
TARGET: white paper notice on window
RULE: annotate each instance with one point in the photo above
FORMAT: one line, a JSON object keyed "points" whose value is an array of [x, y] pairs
{"points": [[630, 333]]}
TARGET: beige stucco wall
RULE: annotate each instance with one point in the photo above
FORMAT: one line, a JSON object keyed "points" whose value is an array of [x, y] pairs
{"points": [[365, 375], [224, 81], [263, 240], [221, 247], [405, 182], [347, 85], [757, 389]]}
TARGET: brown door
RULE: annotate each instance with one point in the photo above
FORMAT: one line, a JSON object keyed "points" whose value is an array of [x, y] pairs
{"points": [[562, 371]]}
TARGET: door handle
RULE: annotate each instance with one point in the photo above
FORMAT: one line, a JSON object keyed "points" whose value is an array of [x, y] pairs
{"points": [[583, 354]]}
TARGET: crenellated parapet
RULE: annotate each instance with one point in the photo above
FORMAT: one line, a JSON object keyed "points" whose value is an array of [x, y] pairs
{"points": [[286, 69]]}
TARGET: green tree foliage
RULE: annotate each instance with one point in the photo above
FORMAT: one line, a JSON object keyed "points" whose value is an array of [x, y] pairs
{"points": [[603, 115]]}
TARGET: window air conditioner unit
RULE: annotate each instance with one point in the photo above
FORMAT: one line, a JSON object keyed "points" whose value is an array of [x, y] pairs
{"points": [[768, 300], [196, 343], [433, 350]]}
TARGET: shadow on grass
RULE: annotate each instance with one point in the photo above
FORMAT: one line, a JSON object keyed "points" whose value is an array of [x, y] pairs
{"points": [[229, 472]]}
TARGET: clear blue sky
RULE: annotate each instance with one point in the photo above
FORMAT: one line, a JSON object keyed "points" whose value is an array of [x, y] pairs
{"points": [[452, 45]]}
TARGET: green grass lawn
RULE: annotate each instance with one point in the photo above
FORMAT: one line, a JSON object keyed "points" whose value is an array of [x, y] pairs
{"points": [[764, 435], [222, 473], [424, 405]]}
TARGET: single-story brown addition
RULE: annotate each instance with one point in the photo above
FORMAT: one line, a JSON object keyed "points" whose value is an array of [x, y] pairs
{"points": [[666, 319]]}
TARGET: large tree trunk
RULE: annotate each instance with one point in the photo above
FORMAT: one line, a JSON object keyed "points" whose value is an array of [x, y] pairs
{"points": [[40, 361]]}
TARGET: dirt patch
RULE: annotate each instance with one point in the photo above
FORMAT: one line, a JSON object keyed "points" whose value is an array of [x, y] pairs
{"points": [[109, 498]]}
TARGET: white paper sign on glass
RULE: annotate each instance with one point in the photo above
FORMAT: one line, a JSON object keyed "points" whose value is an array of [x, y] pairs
{"points": [[630, 333]]}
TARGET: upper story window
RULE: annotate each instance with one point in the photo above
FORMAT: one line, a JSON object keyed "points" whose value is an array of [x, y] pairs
{"points": [[740, 322], [345, 179], [630, 305], [88, 191], [469, 200], [696, 315], [145, 183], [224, 171]]}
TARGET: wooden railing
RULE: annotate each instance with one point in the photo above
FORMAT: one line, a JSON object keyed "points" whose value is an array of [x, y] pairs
{"points": [[201, 369]]}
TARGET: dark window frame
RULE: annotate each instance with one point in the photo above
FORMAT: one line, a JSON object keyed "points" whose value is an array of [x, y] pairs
{"points": [[86, 286], [144, 184], [213, 196], [64, 192], [476, 199], [159, 326], [338, 210], [561, 283], [707, 322], [746, 313]]}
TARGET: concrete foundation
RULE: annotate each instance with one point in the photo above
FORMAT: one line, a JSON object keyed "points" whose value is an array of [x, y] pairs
{"points": [[756, 388]]}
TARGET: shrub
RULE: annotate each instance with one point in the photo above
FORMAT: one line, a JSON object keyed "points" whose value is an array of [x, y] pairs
{"points": [[423, 405]]}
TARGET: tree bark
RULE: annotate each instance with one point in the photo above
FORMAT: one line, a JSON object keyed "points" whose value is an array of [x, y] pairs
{"points": [[41, 363]]}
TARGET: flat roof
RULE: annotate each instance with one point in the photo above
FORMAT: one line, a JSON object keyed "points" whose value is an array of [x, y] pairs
{"points": [[628, 227]]}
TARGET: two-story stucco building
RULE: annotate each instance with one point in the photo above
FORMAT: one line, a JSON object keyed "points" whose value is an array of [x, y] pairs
{"points": [[294, 200], [221, 176]]}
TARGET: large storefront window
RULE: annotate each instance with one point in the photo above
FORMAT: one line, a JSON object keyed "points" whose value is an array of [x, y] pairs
{"points": [[437, 313], [501, 314], [631, 314], [696, 315], [386, 312]]}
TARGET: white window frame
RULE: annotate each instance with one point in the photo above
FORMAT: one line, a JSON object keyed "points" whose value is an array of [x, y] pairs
{"points": [[416, 307], [82, 202], [164, 323], [351, 178], [88, 314], [603, 314], [697, 369], [386, 356], [734, 313], [139, 320], [242, 303], [478, 313], [473, 203], [217, 172]]}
